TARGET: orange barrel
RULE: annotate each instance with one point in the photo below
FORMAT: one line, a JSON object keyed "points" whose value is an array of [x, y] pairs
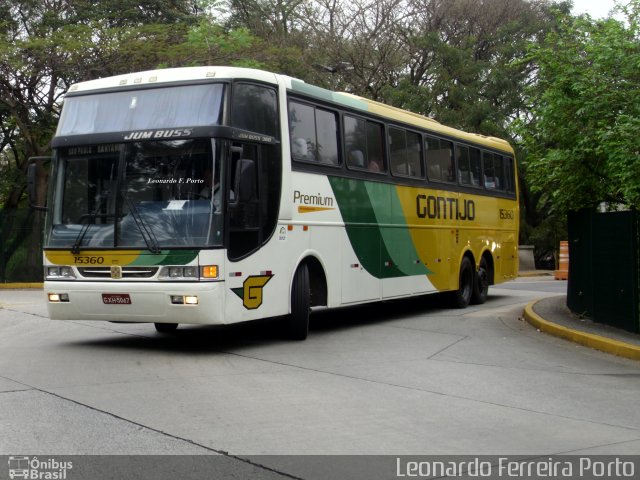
{"points": [[563, 268]]}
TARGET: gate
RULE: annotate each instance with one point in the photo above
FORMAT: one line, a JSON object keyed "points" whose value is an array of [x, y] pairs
{"points": [[604, 267]]}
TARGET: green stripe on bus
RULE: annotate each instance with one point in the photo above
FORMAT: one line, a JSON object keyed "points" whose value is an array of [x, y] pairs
{"points": [[166, 257], [328, 95], [398, 239], [384, 249]]}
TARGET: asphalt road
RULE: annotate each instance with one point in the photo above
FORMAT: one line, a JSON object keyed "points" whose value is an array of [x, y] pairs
{"points": [[403, 377]]}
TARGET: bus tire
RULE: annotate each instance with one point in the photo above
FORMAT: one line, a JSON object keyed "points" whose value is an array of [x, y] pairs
{"points": [[481, 284], [298, 319], [166, 327], [462, 296]]}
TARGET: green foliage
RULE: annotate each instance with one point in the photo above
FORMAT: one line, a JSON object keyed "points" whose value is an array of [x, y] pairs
{"points": [[565, 90], [16, 268], [44, 48], [582, 142], [208, 43], [467, 70]]}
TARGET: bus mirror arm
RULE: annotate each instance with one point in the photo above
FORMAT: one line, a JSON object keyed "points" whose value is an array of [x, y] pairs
{"points": [[32, 171]]}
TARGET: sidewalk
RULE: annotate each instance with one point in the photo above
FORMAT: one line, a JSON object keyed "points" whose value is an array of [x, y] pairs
{"points": [[551, 315]]}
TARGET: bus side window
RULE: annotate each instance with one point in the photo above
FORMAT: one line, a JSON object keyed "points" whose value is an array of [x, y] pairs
{"points": [[440, 164], [355, 141], [475, 167], [375, 148], [398, 150], [406, 153], [462, 158], [469, 168], [255, 108], [327, 135], [303, 132], [498, 169], [364, 145], [314, 134], [414, 155], [509, 175], [493, 171], [487, 170]]}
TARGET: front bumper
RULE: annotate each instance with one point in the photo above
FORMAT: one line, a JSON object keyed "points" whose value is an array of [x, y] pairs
{"points": [[150, 302]]}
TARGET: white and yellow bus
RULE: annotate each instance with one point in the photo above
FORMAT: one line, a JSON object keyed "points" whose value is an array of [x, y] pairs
{"points": [[216, 195]]}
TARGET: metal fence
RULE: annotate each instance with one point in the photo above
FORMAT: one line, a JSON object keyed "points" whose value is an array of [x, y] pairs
{"points": [[604, 267], [21, 246]]}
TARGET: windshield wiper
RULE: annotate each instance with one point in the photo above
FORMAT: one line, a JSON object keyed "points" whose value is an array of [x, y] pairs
{"points": [[146, 233], [75, 249]]}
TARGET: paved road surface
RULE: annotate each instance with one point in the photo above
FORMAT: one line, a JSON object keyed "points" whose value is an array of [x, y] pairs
{"points": [[403, 377]]}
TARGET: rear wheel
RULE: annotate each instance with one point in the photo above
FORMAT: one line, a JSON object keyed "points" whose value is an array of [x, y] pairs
{"points": [[166, 327], [298, 320], [462, 296], [481, 284]]}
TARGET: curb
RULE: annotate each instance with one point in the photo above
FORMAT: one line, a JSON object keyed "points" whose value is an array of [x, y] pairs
{"points": [[14, 286], [604, 344]]}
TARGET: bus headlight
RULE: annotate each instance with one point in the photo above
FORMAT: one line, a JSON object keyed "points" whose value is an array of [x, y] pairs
{"points": [[184, 299], [189, 273], [58, 297], [59, 273], [179, 273], [190, 300], [176, 272]]}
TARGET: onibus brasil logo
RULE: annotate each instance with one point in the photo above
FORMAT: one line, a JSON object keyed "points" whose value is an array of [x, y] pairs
{"points": [[37, 469]]}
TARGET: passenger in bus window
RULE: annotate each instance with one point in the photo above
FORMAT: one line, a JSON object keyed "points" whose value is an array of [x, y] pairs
{"points": [[300, 149], [356, 159], [214, 187], [434, 171], [489, 180], [208, 187], [374, 165]]}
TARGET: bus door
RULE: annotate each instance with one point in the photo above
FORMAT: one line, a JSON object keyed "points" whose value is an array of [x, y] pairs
{"points": [[254, 277]]}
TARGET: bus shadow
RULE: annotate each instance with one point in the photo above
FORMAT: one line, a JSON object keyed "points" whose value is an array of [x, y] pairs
{"points": [[374, 313], [208, 339]]}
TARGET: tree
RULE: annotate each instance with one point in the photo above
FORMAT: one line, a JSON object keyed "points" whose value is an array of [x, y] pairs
{"points": [[464, 61], [45, 46], [358, 43], [581, 141]]}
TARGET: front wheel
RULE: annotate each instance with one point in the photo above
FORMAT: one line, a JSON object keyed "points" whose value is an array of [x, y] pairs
{"points": [[462, 296], [298, 320], [166, 327], [481, 284]]}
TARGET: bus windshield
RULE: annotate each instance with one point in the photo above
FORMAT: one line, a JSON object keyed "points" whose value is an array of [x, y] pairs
{"points": [[167, 107], [148, 195]]}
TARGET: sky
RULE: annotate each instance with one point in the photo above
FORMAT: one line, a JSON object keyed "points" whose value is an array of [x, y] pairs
{"points": [[595, 8]]}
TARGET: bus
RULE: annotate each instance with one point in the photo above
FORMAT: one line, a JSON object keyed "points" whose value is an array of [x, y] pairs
{"points": [[217, 195]]}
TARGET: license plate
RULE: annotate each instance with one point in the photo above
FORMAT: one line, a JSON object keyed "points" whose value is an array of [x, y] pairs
{"points": [[116, 298]]}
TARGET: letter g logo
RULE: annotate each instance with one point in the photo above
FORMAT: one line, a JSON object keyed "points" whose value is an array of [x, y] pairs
{"points": [[251, 291]]}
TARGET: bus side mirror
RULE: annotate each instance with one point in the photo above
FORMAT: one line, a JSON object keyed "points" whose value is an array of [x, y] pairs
{"points": [[244, 196], [245, 188], [32, 175]]}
